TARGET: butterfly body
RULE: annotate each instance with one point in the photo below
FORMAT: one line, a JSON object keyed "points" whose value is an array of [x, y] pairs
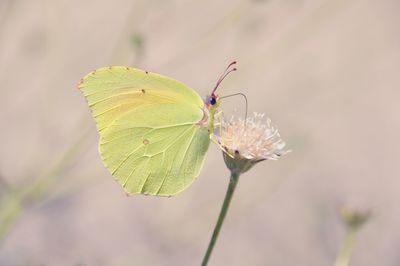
{"points": [[154, 130]]}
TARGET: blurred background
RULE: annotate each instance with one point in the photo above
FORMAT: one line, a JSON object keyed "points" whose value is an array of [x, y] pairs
{"points": [[325, 72]]}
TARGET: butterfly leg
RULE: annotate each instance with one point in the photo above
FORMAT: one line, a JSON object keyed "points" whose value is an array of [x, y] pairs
{"points": [[219, 116]]}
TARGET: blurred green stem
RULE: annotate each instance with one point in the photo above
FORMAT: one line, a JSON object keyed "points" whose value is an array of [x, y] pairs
{"points": [[9, 212], [14, 201], [228, 196], [343, 258]]}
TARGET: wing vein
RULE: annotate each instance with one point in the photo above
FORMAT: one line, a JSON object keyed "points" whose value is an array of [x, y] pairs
{"points": [[165, 176], [143, 127]]}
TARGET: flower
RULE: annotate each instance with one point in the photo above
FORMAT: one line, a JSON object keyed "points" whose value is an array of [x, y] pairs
{"points": [[246, 142]]}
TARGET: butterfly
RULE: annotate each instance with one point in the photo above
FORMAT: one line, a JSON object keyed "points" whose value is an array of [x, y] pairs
{"points": [[154, 130]]}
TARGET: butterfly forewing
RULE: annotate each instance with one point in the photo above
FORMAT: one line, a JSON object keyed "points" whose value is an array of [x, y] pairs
{"points": [[150, 138]]}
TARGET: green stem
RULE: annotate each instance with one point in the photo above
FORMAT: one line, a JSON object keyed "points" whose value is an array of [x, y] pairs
{"points": [[228, 196], [13, 203], [343, 258]]}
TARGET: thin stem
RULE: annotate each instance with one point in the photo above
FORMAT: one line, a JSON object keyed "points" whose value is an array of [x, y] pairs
{"points": [[228, 196], [343, 258], [14, 202]]}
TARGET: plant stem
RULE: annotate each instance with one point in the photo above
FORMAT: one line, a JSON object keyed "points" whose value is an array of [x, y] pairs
{"points": [[343, 258], [15, 200], [228, 196]]}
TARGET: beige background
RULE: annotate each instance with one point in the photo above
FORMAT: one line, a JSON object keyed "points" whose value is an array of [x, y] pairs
{"points": [[326, 72]]}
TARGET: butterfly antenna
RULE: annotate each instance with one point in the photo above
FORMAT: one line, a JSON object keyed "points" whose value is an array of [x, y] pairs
{"points": [[245, 100], [226, 72]]}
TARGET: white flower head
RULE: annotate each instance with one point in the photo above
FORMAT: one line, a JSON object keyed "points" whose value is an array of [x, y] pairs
{"points": [[251, 140]]}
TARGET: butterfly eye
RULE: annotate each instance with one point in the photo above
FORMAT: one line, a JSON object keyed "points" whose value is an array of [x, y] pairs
{"points": [[213, 101]]}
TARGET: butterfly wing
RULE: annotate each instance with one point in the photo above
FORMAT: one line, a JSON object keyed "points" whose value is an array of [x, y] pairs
{"points": [[150, 140]]}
